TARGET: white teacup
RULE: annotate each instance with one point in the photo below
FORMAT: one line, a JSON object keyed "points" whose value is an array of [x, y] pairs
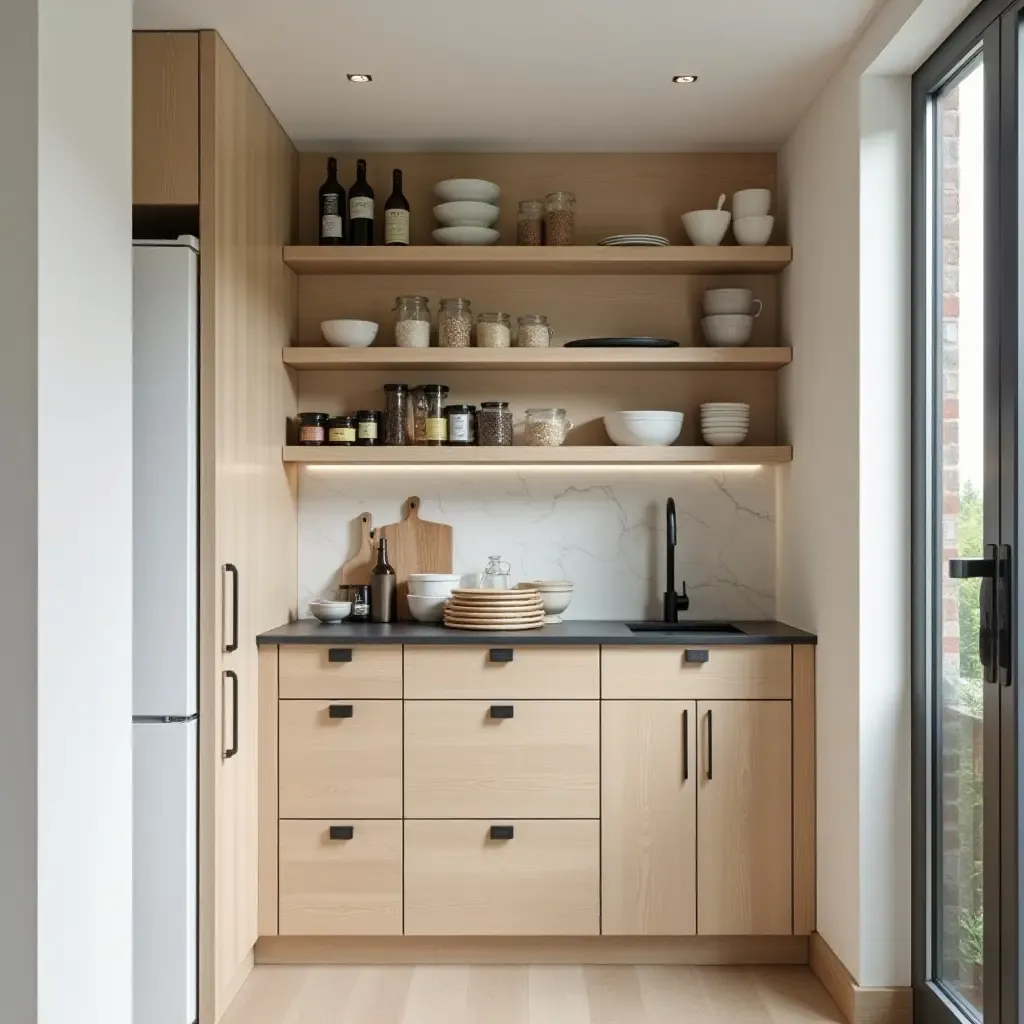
{"points": [[728, 330], [752, 202], [723, 301], [753, 230]]}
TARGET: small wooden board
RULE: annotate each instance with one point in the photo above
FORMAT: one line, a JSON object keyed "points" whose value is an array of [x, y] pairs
{"points": [[416, 545], [357, 569], [495, 629]]}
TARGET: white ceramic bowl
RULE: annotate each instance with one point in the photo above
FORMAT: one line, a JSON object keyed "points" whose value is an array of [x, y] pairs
{"points": [[432, 584], [753, 230], [467, 190], [555, 602], [751, 202], [722, 406], [725, 437], [721, 419], [727, 301], [349, 333], [728, 330], [545, 586], [706, 227], [330, 611], [466, 236], [427, 609], [466, 214], [644, 428]]}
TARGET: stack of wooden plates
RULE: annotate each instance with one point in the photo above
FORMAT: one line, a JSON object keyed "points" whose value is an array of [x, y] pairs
{"points": [[494, 609]]}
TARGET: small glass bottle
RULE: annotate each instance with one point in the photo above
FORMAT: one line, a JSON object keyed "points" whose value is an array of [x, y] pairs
{"points": [[530, 222], [417, 428], [435, 422], [412, 322], [455, 323], [383, 587], [367, 427], [559, 218], [396, 411]]}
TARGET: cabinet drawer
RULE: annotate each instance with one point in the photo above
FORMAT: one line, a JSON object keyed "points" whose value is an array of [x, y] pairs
{"points": [[455, 673], [729, 673], [523, 758], [364, 672], [542, 881], [341, 886], [332, 765]]}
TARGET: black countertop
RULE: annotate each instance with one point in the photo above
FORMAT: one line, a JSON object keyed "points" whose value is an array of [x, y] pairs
{"points": [[578, 632]]}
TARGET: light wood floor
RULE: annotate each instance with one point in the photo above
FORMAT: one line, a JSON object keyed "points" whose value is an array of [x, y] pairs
{"points": [[532, 995]]}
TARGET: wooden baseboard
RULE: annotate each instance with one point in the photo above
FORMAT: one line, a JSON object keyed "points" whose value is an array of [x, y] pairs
{"points": [[698, 951], [859, 1005]]}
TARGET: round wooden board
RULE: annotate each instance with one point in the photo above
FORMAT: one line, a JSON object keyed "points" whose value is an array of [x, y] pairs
{"points": [[496, 623], [495, 629], [505, 609], [487, 592], [469, 602]]}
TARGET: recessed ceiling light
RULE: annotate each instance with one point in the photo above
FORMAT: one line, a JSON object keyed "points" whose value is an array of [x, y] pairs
{"points": [[678, 79], [360, 78]]}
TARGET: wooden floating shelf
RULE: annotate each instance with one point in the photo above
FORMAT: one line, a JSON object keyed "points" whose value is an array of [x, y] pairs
{"points": [[512, 259], [567, 455], [372, 358]]}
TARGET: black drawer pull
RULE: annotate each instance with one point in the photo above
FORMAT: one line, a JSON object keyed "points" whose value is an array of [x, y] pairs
{"points": [[342, 831], [501, 655], [339, 655], [340, 710], [686, 746], [696, 657], [503, 832], [502, 711]]}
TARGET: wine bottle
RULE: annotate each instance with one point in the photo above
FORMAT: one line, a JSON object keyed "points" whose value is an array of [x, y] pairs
{"points": [[360, 208], [396, 213], [383, 587], [332, 207]]}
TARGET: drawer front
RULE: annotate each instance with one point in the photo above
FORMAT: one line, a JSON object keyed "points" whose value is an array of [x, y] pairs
{"points": [[455, 673], [729, 673], [523, 758], [353, 672], [346, 763], [545, 880], [341, 886]]}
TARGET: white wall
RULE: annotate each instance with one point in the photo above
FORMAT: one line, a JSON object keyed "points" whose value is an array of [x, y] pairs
{"points": [[65, 454]]}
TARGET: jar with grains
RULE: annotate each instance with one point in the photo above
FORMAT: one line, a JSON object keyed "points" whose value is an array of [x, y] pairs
{"points": [[417, 427], [559, 218], [396, 411], [412, 322], [494, 424], [435, 421], [530, 222], [533, 331], [455, 323], [494, 330], [547, 427]]}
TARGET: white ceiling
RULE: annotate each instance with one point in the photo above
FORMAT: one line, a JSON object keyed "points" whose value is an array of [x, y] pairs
{"points": [[530, 74]]}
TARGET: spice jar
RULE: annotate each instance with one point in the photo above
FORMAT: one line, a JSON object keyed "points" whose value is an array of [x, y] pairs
{"points": [[435, 422], [547, 427], [417, 416], [341, 430], [494, 330], [396, 410], [367, 426], [530, 222], [455, 323], [559, 218], [533, 331], [313, 427], [412, 322], [494, 424], [461, 424]]}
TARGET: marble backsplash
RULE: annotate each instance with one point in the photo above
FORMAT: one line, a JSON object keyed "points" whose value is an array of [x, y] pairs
{"points": [[604, 531]]}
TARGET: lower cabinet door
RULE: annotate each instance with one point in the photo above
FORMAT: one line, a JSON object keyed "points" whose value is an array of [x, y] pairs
{"points": [[510, 877], [340, 877]]}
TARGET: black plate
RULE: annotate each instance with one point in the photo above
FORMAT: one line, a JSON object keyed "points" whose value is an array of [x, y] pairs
{"points": [[622, 343]]}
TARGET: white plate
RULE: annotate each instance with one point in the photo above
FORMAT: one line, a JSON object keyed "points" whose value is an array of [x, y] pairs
{"points": [[634, 240], [466, 215], [466, 236], [469, 190]]}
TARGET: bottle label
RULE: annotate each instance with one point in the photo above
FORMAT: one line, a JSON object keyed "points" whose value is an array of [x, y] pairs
{"points": [[360, 207], [341, 435], [311, 435], [368, 430], [330, 216], [437, 429], [459, 427], [396, 227]]}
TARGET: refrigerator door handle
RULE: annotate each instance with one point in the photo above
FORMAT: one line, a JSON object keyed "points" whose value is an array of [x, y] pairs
{"points": [[233, 646], [233, 749]]}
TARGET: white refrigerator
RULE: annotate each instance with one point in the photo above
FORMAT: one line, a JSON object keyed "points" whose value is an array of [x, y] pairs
{"points": [[165, 709]]}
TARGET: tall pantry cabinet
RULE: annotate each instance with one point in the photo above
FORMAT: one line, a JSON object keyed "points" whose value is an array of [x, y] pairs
{"points": [[204, 137]]}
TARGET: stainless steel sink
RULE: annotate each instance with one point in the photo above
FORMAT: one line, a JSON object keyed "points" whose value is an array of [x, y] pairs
{"points": [[691, 626]]}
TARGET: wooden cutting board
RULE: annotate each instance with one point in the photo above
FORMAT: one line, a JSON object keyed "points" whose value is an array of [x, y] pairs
{"points": [[357, 570], [416, 545]]}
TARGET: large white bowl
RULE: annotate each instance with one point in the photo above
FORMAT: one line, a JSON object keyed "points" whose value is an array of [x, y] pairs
{"points": [[432, 584], [465, 236], [644, 428], [728, 330], [466, 214], [349, 333], [753, 230], [469, 190], [427, 609], [751, 202], [723, 301], [706, 227], [545, 585], [330, 611]]}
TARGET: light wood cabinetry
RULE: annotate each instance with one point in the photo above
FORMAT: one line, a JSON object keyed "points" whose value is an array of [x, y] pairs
{"points": [[361, 672]]}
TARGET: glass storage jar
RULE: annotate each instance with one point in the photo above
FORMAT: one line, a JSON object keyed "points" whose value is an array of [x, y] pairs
{"points": [[341, 430], [435, 424], [494, 424], [367, 427], [530, 222], [455, 323], [313, 427], [559, 218], [412, 322], [461, 424], [396, 410], [533, 331], [494, 330], [547, 427], [417, 426]]}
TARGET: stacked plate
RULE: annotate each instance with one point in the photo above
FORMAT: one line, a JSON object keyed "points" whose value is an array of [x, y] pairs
{"points": [[467, 211], [633, 240], [555, 595], [480, 609], [724, 422]]}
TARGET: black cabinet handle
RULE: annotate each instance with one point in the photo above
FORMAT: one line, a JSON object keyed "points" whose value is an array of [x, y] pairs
{"points": [[502, 711], [686, 745], [501, 655], [339, 655], [233, 646], [503, 832], [340, 710], [711, 740], [342, 831], [692, 657], [233, 749]]}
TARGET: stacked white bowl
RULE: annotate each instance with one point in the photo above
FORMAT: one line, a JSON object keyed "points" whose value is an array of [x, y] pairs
{"points": [[729, 315], [428, 592], [467, 211], [724, 422], [554, 594], [751, 223], [643, 427]]}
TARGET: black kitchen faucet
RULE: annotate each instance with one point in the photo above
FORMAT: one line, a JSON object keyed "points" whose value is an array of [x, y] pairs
{"points": [[674, 603]]}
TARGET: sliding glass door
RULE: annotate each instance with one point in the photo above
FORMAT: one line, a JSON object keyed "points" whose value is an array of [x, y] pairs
{"points": [[965, 521]]}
